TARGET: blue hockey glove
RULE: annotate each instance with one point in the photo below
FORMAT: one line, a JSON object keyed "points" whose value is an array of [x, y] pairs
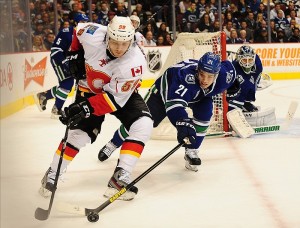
{"points": [[76, 112], [186, 129], [249, 107]]}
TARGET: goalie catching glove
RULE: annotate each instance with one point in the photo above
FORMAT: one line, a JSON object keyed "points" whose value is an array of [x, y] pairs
{"points": [[186, 129], [76, 112]]}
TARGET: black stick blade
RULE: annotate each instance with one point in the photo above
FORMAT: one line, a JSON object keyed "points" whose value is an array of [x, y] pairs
{"points": [[41, 214]]}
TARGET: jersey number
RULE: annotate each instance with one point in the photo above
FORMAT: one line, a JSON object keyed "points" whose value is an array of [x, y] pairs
{"points": [[58, 41], [181, 91], [129, 85]]}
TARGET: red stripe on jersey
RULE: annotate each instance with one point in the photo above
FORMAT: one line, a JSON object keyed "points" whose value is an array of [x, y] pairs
{"points": [[132, 146], [101, 104]]}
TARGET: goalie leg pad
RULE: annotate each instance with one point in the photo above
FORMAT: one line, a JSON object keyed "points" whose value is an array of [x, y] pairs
{"points": [[263, 117], [239, 124]]}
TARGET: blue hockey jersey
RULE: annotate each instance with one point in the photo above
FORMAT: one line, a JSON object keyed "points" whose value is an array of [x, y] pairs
{"points": [[179, 89], [61, 46], [248, 83]]}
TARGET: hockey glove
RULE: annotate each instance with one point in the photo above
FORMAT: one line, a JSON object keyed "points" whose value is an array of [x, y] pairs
{"points": [[233, 91], [65, 65], [77, 64], [186, 129], [76, 112], [249, 107]]}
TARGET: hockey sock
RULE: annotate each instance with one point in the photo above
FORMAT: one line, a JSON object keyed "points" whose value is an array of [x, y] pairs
{"points": [[51, 93], [63, 91], [130, 152], [120, 135], [69, 154]]}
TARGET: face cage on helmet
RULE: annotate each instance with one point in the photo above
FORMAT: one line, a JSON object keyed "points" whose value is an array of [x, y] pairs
{"points": [[246, 65]]}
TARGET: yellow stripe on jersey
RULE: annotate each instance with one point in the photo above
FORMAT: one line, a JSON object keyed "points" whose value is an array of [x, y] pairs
{"points": [[109, 102]]}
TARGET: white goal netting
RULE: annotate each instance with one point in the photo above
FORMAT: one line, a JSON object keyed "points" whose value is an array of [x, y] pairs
{"points": [[193, 46]]}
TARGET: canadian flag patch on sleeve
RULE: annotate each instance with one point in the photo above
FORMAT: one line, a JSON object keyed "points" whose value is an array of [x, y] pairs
{"points": [[136, 71]]}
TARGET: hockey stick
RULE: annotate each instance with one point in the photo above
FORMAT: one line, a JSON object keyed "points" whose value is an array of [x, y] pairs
{"points": [[40, 213], [93, 214], [266, 129]]}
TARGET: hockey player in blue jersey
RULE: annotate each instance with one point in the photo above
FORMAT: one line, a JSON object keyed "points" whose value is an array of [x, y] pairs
{"points": [[60, 64], [248, 68], [190, 83], [249, 73]]}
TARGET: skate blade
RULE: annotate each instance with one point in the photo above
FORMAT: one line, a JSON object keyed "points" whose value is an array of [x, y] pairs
{"points": [[37, 103], [44, 192], [128, 195], [191, 167]]}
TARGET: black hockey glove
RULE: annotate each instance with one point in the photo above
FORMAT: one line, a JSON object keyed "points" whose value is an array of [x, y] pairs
{"points": [[249, 107], [186, 129], [77, 64], [65, 65], [76, 112], [233, 91]]}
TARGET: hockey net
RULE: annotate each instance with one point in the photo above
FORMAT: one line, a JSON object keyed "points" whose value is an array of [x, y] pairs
{"points": [[193, 46]]}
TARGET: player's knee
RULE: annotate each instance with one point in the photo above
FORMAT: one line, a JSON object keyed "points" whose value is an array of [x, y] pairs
{"points": [[141, 129], [78, 138]]}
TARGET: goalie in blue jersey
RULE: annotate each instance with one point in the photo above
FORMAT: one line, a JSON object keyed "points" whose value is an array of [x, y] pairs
{"points": [[249, 70], [190, 83]]}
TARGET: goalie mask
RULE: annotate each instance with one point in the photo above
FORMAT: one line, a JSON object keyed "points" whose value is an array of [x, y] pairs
{"points": [[246, 58]]}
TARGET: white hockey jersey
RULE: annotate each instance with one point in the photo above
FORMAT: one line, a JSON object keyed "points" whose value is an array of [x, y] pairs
{"points": [[139, 39], [113, 80]]}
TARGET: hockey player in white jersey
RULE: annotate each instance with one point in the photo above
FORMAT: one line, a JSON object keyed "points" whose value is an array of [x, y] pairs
{"points": [[114, 66], [139, 38]]}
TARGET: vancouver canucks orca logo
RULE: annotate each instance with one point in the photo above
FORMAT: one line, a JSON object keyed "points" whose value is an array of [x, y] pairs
{"points": [[154, 61], [190, 79]]}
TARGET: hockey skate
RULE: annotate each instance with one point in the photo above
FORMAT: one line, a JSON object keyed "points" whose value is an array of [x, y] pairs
{"points": [[191, 159], [40, 101], [47, 183], [55, 112], [106, 151], [120, 179]]}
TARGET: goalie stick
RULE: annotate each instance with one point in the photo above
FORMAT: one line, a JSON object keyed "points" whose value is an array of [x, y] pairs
{"points": [[266, 129], [40, 213], [93, 214]]}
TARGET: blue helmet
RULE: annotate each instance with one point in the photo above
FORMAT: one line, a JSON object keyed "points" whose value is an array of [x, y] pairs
{"points": [[81, 17], [210, 63]]}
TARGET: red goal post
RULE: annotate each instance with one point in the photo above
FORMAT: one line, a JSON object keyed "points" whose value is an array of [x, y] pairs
{"points": [[193, 46]]}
